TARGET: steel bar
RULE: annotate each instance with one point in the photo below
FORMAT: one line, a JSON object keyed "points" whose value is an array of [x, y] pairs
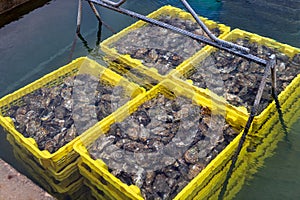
{"points": [[79, 16], [184, 32], [99, 33], [273, 73], [248, 125], [275, 97], [207, 31], [95, 11], [99, 18]]}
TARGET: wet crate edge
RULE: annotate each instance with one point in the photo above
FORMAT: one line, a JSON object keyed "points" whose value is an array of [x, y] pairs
{"points": [[99, 167], [65, 154], [95, 192], [137, 64], [60, 183], [48, 183], [71, 190], [95, 185], [58, 176]]}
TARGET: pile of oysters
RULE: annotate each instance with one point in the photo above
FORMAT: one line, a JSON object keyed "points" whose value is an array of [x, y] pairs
{"points": [[54, 116], [238, 79], [163, 145], [161, 48]]}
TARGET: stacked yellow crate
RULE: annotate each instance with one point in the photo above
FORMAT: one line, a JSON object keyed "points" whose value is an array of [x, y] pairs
{"points": [[58, 170], [62, 184], [98, 174]]}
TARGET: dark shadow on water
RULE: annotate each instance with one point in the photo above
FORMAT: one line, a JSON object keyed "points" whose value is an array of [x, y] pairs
{"points": [[17, 12], [281, 120]]}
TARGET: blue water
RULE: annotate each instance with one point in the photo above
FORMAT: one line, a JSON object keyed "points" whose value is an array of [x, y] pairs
{"points": [[40, 42]]}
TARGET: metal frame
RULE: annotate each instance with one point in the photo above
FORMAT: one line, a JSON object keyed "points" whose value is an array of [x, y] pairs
{"points": [[221, 44]]}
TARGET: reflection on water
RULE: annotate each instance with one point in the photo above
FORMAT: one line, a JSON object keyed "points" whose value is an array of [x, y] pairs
{"points": [[275, 157], [41, 41], [278, 177]]}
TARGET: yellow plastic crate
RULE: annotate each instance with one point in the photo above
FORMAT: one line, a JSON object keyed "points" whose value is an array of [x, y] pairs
{"points": [[65, 155], [97, 191], [187, 70], [259, 145], [59, 182], [208, 184], [96, 171], [47, 184], [137, 65]]}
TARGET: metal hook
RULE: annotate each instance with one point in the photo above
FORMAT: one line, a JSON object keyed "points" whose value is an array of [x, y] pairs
{"points": [[207, 31], [115, 4]]}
